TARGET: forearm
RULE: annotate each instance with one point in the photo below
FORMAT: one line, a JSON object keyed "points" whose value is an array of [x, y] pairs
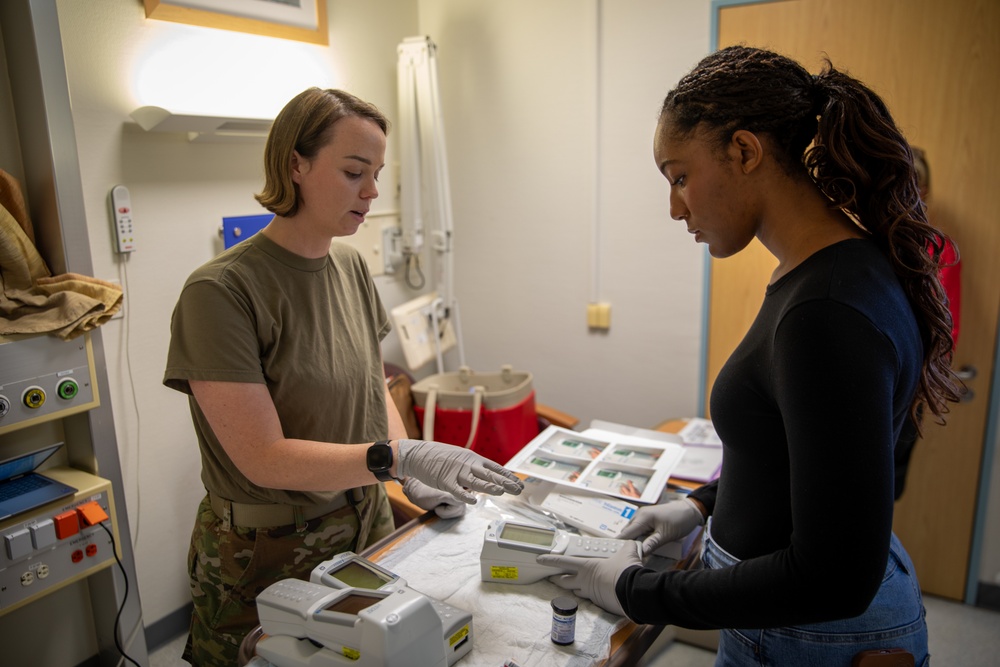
{"points": [[307, 465], [397, 429], [246, 424]]}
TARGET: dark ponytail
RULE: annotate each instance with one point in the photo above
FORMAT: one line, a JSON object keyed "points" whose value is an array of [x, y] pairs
{"points": [[863, 164], [858, 158]]}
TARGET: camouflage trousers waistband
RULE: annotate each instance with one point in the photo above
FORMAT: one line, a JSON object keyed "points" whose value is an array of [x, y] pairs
{"points": [[269, 515]]}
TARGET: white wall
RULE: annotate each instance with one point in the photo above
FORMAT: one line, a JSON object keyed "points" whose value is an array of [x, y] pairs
{"points": [[545, 173]]}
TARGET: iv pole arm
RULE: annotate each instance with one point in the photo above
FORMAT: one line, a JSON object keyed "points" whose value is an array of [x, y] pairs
{"points": [[423, 155], [411, 206]]}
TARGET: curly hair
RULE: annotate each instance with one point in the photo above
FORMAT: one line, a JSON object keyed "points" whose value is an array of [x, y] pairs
{"points": [[840, 133]]}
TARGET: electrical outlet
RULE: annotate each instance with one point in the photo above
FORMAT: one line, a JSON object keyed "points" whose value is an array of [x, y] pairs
{"points": [[599, 316]]}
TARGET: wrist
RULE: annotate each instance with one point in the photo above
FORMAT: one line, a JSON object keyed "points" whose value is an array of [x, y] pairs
{"points": [[699, 508], [394, 470], [380, 458], [402, 449]]}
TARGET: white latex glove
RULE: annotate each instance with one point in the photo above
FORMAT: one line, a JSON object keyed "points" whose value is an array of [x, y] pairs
{"points": [[594, 578], [443, 503], [663, 523], [459, 471]]}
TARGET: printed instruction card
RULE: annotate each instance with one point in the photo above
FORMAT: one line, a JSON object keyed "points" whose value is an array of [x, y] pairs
{"points": [[602, 461]]}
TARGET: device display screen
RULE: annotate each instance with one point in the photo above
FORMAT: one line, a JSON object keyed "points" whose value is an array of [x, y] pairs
{"points": [[527, 535], [356, 575], [352, 604]]}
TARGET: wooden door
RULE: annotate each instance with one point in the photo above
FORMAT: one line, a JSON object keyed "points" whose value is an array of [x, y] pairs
{"points": [[934, 63]]}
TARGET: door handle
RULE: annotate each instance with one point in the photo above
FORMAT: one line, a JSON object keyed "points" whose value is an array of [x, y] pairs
{"points": [[966, 372]]}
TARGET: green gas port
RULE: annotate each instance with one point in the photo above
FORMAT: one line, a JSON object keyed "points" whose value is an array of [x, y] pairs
{"points": [[68, 389]]}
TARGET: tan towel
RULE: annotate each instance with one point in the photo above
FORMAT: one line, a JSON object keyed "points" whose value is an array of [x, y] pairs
{"points": [[12, 199], [34, 301]]}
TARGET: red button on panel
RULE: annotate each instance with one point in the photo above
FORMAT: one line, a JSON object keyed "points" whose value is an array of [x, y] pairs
{"points": [[67, 524]]}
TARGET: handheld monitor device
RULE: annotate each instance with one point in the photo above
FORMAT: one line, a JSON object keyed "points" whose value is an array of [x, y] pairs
{"points": [[349, 570], [510, 549]]}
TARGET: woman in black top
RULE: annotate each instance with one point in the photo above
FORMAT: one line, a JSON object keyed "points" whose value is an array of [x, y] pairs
{"points": [[853, 338]]}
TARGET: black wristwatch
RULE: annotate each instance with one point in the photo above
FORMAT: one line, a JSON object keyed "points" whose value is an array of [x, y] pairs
{"points": [[379, 460]]}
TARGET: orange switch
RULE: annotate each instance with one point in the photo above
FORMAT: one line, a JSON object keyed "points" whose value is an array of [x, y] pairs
{"points": [[91, 513], [67, 524]]}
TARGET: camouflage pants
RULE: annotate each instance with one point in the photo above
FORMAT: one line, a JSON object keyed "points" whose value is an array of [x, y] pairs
{"points": [[229, 568]]}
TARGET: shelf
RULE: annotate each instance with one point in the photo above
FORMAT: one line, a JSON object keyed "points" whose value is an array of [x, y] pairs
{"points": [[202, 128]]}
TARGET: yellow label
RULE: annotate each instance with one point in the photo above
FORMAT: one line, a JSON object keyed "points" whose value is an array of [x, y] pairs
{"points": [[458, 636], [503, 571], [351, 653]]}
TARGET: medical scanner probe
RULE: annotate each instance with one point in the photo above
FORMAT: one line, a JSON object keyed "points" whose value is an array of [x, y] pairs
{"points": [[305, 624], [510, 549]]}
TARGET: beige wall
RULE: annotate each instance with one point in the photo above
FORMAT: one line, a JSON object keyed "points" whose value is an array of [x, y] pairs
{"points": [[557, 201]]}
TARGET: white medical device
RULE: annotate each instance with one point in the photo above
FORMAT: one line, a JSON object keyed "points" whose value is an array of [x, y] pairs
{"points": [[306, 624], [387, 622], [510, 549], [349, 570]]}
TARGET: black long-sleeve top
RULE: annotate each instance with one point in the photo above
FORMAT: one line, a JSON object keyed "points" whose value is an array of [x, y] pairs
{"points": [[808, 408]]}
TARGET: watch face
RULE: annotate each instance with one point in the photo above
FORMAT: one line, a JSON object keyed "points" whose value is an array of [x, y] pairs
{"points": [[379, 457]]}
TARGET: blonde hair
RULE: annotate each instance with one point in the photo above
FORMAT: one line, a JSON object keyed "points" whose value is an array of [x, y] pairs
{"points": [[305, 125]]}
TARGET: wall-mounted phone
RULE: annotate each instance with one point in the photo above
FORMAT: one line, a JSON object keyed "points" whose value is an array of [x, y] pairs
{"points": [[121, 219]]}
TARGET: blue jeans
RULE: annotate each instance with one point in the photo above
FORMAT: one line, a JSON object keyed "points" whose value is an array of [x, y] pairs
{"points": [[894, 619]]}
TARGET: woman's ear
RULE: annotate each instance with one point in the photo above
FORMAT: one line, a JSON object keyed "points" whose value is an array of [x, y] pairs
{"points": [[298, 166], [746, 147]]}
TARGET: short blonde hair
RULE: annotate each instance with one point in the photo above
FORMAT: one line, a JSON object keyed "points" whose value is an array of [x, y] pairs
{"points": [[305, 125]]}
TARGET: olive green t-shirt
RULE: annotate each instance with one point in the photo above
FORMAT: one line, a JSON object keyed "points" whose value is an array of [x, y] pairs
{"points": [[309, 329]]}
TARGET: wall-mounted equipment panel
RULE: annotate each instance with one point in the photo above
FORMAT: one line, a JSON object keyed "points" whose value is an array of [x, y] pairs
{"points": [[43, 377], [59, 543]]}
